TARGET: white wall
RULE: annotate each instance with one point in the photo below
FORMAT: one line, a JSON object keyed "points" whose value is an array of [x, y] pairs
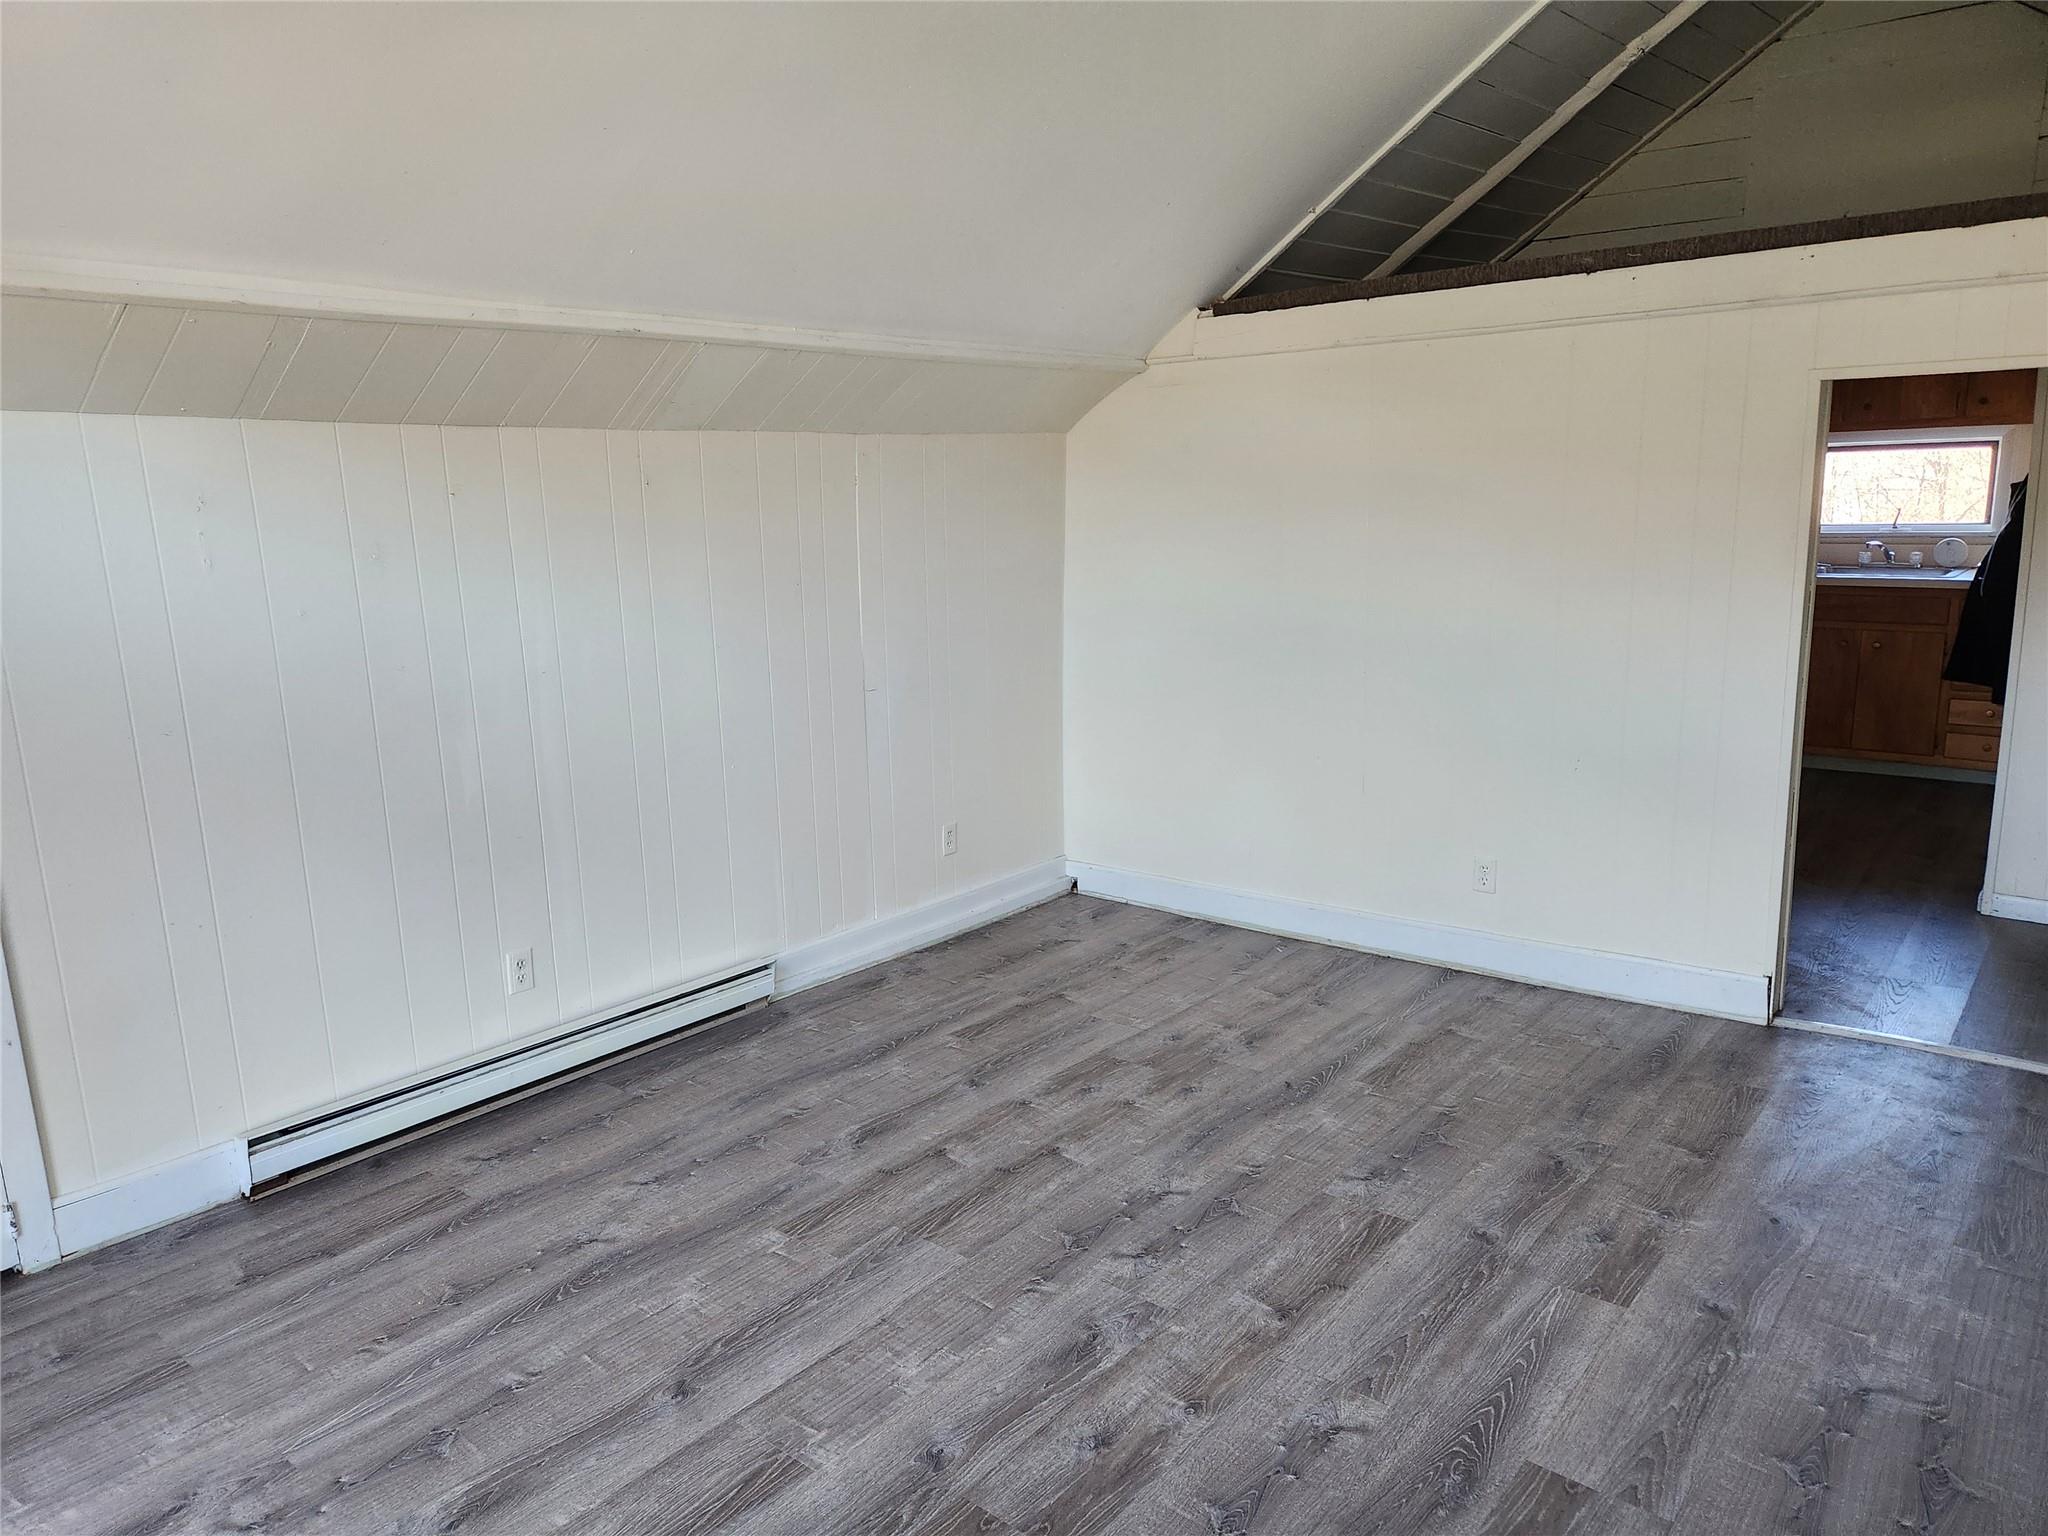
{"points": [[1327, 644], [306, 725]]}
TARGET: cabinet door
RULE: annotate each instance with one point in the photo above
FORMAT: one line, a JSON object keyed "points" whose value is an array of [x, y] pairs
{"points": [[1930, 399], [2000, 399], [1831, 689], [1898, 691], [1859, 405]]}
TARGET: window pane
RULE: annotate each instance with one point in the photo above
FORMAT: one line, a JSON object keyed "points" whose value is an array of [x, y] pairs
{"points": [[1884, 487]]}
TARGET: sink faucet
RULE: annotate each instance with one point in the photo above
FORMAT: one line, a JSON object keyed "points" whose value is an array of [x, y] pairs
{"points": [[1879, 547]]}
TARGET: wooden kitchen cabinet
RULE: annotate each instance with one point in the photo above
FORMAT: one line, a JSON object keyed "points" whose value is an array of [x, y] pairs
{"points": [[2001, 399], [1831, 689], [1898, 692], [1873, 682]]}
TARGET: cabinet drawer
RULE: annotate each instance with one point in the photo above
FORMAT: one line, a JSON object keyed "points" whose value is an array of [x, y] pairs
{"points": [[1842, 605], [1973, 748], [1981, 713]]}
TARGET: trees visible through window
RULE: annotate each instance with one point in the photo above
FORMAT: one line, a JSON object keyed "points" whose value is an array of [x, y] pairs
{"points": [[1909, 485]]}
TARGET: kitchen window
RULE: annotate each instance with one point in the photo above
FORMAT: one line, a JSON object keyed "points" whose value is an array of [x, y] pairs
{"points": [[1939, 483]]}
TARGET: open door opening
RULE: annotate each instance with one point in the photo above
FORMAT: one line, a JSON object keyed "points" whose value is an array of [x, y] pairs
{"points": [[1907, 775]]}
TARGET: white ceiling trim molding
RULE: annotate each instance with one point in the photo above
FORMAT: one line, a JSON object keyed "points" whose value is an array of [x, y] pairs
{"points": [[123, 357], [1472, 67], [70, 278]]}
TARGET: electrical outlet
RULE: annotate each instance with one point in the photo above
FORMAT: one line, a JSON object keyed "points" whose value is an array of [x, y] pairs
{"points": [[519, 971], [1485, 876], [949, 839]]}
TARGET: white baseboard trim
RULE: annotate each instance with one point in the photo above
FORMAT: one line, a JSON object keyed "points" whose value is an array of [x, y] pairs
{"points": [[216, 1175], [2028, 909], [1661, 983], [856, 949], [211, 1176]]}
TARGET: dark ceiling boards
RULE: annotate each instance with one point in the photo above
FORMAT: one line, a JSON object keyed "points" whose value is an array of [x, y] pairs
{"points": [[1739, 242], [1549, 60]]}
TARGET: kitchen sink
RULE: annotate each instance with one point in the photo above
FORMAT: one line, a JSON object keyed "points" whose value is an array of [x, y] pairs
{"points": [[1826, 572]]}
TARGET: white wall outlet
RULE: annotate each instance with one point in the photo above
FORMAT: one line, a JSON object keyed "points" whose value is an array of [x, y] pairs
{"points": [[1485, 876], [949, 839], [518, 971]]}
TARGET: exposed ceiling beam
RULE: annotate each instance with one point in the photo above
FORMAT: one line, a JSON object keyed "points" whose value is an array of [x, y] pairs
{"points": [[1734, 242], [1456, 208], [1677, 114], [1323, 207]]}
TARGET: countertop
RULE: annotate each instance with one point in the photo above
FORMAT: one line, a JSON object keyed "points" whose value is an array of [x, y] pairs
{"points": [[1893, 576]]}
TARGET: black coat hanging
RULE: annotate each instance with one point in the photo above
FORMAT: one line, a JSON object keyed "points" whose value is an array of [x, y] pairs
{"points": [[1983, 648]]}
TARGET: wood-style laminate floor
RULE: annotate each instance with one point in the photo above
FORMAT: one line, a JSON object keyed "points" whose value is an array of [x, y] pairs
{"points": [[1104, 1220], [1885, 929]]}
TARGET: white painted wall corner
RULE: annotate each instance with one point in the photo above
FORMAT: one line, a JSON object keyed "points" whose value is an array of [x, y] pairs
{"points": [[855, 949], [125, 1207], [1632, 978]]}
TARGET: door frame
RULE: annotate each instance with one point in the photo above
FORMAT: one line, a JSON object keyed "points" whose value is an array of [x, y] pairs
{"points": [[1809, 552], [27, 1175], [2030, 555]]}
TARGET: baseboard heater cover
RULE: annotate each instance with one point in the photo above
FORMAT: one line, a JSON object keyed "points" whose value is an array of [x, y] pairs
{"points": [[324, 1138]]}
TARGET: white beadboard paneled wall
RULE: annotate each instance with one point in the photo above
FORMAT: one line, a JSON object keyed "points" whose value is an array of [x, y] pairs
{"points": [[1360, 594], [109, 357], [307, 725]]}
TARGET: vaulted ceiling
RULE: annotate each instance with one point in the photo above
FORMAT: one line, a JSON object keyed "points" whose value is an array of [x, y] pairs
{"points": [[1061, 181], [1579, 86], [1604, 126]]}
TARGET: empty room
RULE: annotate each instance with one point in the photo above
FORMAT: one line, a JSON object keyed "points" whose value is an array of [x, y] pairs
{"points": [[1165, 769]]}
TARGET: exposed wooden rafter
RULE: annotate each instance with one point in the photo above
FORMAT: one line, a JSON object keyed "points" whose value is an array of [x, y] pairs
{"points": [[1378, 154], [1455, 209], [1652, 136], [1996, 210], [1576, 88]]}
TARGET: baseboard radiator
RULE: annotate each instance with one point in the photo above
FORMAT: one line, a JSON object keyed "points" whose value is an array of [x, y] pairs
{"points": [[292, 1151]]}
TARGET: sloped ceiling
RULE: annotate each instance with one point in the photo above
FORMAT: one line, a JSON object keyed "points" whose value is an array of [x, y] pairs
{"points": [[1612, 132], [1057, 181], [1579, 86], [111, 358], [1862, 107]]}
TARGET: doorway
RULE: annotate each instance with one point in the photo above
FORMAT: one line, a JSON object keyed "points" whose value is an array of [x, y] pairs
{"points": [[1920, 570]]}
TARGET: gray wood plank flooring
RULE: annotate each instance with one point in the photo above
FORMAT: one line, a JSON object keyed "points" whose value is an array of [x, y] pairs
{"points": [[1103, 1220], [1886, 934]]}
